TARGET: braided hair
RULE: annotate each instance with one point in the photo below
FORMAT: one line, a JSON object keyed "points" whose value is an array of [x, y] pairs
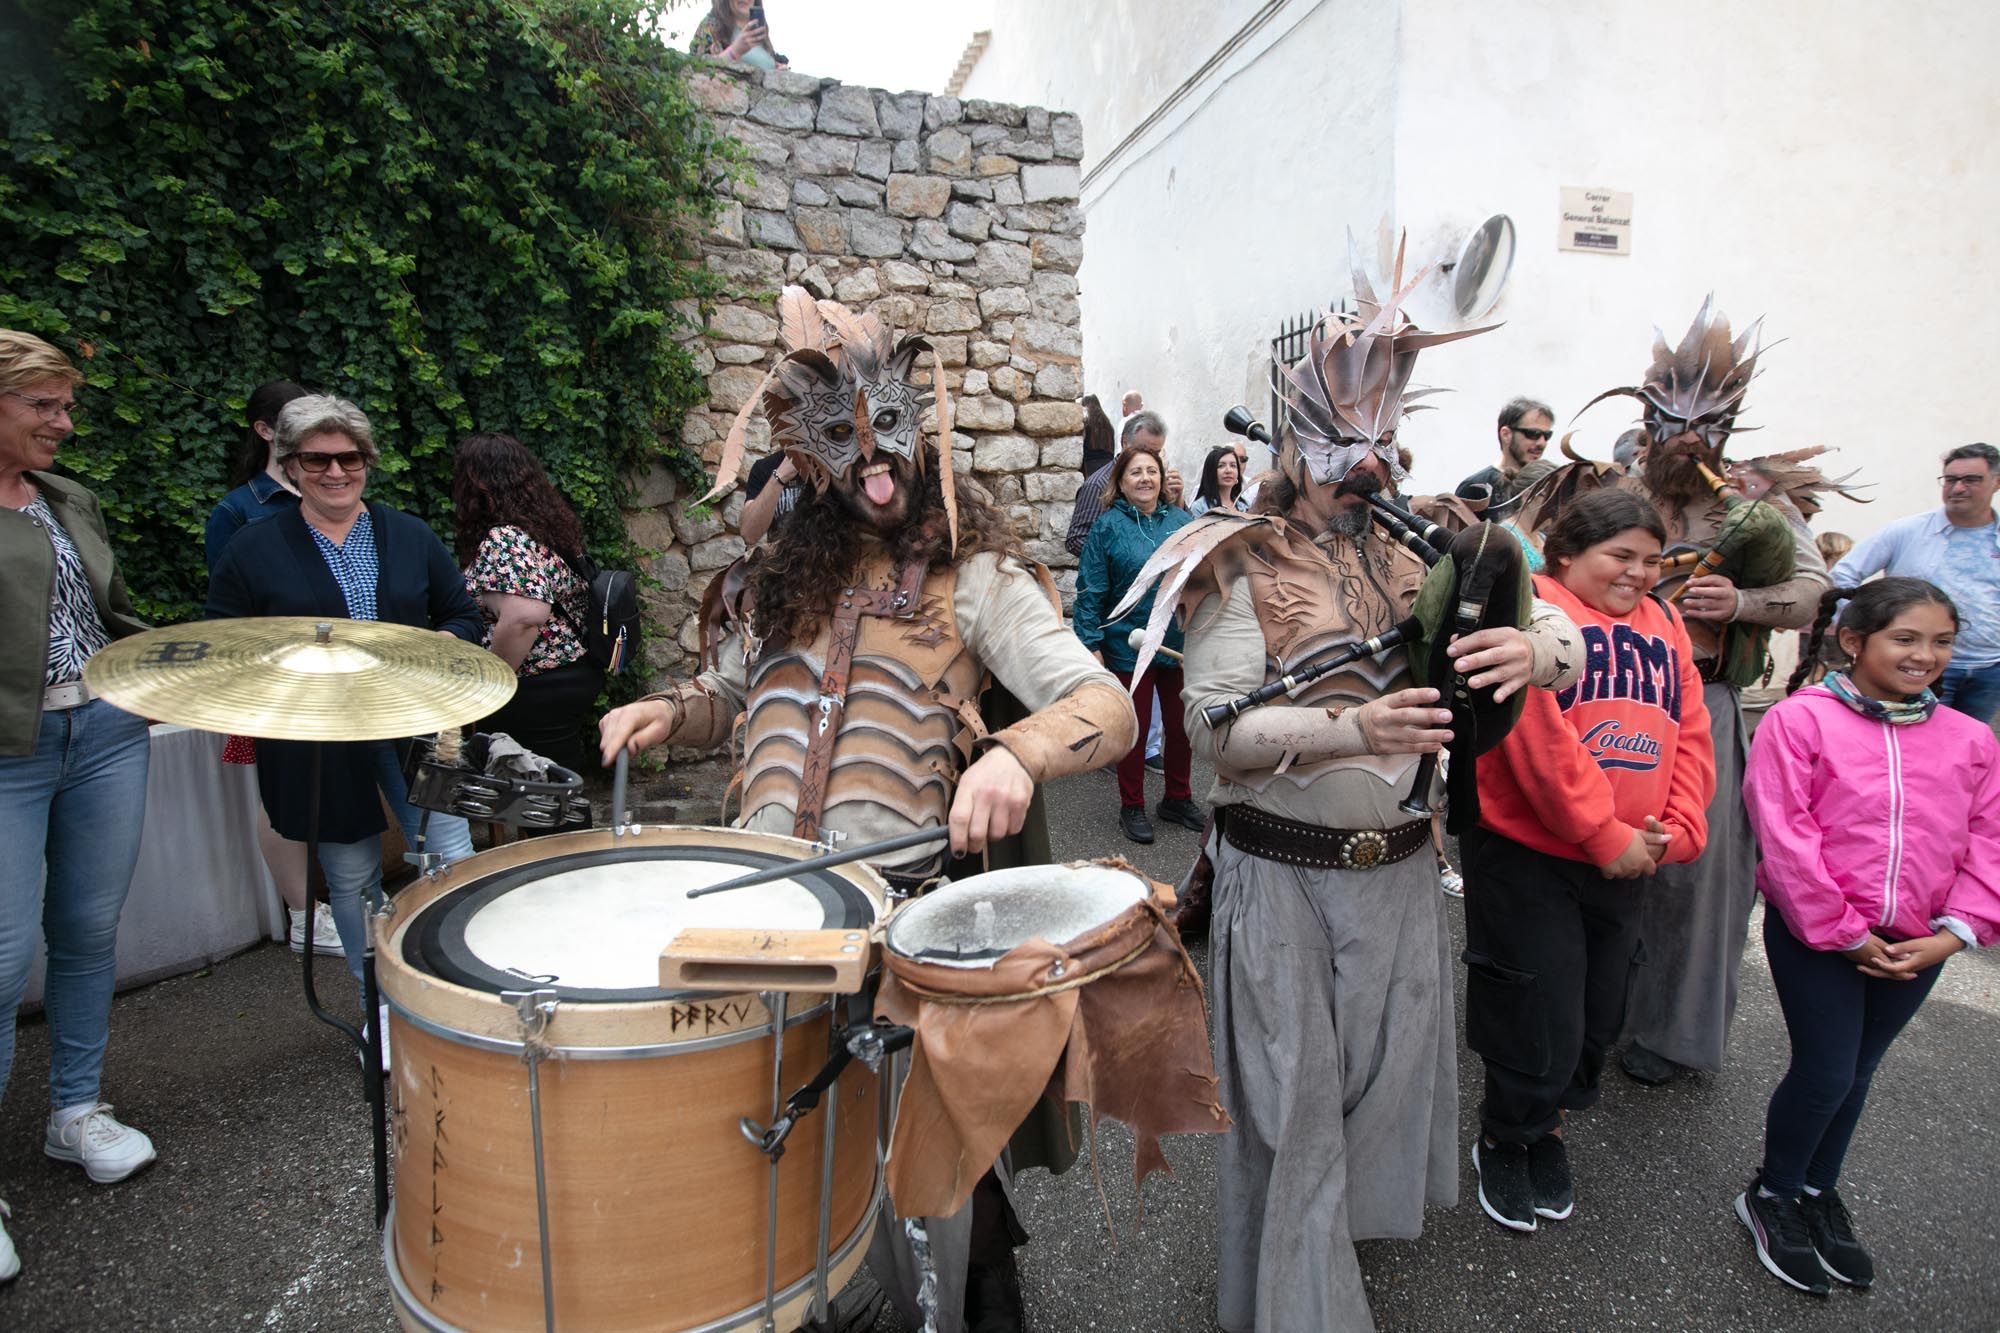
{"points": [[1870, 608]]}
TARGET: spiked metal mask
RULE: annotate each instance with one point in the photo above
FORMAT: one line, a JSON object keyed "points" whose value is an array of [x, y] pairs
{"points": [[1346, 396], [1699, 385], [841, 397]]}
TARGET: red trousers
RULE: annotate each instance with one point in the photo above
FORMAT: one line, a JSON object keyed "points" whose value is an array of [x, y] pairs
{"points": [[1173, 723]]}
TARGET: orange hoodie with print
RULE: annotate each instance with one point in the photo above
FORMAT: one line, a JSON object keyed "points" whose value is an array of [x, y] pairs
{"points": [[1585, 765]]}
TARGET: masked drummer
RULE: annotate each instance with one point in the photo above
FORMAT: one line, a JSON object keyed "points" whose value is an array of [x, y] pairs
{"points": [[855, 643], [1332, 982]]}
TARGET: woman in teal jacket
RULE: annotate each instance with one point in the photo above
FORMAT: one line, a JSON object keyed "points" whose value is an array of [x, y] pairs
{"points": [[1136, 519]]}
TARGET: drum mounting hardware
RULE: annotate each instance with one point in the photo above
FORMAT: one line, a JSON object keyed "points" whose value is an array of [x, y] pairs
{"points": [[535, 1008]]}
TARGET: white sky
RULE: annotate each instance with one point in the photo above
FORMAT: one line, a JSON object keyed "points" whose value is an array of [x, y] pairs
{"points": [[901, 45]]}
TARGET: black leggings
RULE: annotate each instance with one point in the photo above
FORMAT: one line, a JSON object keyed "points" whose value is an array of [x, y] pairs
{"points": [[546, 715], [1841, 1023]]}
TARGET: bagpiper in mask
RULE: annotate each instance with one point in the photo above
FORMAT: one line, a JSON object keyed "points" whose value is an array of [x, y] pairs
{"points": [[1346, 396], [841, 403], [1697, 387]]}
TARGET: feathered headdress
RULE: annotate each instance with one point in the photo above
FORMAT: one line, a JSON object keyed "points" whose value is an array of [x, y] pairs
{"points": [[840, 395], [1698, 385], [1346, 396]]}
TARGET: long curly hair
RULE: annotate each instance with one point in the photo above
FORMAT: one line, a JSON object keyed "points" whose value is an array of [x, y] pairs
{"points": [[797, 573], [497, 483]]}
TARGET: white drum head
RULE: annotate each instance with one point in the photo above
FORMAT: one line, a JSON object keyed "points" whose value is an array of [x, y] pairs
{"points": [[973, 922]]}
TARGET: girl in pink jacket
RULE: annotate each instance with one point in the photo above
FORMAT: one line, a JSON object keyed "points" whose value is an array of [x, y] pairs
{"points": [[1878, 813]]}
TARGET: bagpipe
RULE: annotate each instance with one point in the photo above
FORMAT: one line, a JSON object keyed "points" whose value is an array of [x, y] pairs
{"points": [[1478, 580]]}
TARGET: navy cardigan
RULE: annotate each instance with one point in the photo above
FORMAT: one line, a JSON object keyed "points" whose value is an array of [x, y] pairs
{"points": [[274, 569]]}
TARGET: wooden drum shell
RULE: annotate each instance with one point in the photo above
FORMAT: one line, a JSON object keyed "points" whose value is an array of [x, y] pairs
{"points": [[656, 1201]]}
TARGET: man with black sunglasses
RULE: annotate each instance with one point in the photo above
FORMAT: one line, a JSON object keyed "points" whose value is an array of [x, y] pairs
{"points": [[1524, 431]]}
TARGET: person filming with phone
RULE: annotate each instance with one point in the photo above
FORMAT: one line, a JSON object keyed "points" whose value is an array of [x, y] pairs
{"points": [[735, 30]]}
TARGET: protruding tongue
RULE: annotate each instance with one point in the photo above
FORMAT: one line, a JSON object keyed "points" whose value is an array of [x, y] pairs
{"points": [[880, 488]]}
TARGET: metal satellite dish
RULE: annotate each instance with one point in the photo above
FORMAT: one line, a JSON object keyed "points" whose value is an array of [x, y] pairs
{"points": [[1484, 262]]}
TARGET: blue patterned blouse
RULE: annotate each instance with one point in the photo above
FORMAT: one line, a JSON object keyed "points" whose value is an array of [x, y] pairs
{"points": [[354, 564]]}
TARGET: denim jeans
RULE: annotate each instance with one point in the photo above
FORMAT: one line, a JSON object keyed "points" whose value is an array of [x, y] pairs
{"points": [[354, 869], [76, 807], [1974, 691]]}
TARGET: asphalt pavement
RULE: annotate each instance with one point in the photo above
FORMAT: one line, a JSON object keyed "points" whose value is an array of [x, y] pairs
{"points": [[258, 1214]]}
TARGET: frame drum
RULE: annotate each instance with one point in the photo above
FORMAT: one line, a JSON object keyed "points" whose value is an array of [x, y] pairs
{"points": [[656, 1202]]}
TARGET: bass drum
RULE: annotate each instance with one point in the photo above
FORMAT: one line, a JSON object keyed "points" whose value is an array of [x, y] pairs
{"points": [[656, 1209]]}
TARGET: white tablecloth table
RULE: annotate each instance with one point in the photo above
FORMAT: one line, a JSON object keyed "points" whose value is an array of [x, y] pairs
{"points": [[201, 891]]}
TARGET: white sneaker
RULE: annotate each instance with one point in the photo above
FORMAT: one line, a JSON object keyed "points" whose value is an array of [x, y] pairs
{"points": [[94, 1140], [10, 1262], [326, 935], [1450, 880]]}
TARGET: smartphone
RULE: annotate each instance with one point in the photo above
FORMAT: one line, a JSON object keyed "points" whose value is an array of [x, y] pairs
{"points": [[756, 11]]}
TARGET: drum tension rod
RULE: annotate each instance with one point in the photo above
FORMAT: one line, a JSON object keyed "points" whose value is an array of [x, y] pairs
{"points": [[871, 1044]]}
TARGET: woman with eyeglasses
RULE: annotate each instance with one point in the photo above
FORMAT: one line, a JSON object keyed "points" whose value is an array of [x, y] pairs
{"points": [[72, 768], [339, 556]]}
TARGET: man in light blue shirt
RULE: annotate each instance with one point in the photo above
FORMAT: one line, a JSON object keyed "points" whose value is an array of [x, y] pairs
{"points": [[1957, 547]]}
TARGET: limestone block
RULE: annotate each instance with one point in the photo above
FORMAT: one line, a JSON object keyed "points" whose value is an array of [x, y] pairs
{"points": [[1063, 453], [693, 527], [732, 508], [767, 190], [744, 324], [984, 413], [872, 160], [904, 156], [949, 151], [1050, 338], [1027, 150], [954, 290], [750, 268], [905, 277], [781, 112], [1024, 520], [718, 93], [810, 193], [1007, 490], [736, 354], [704, 360], [1007, 190], [974, 382], [851, 111], [1042, 181], [1003, 301], [995, 164], [730, 387], [1061, 309], [968, 222], [874, 236], [982, 135], [765, 147], [1010, 383], [857, 193], [989, 354], [941, 111], [797, 85], [1066, 131], [1036, 122], [981, 191], [951, 351], [950, 317], [658, 486], [1050, 553], [961, 460], [1010, 234], [1059, 381], [829, 155], [1001, 330], [918, 196], [1061, 253], [901, 115], [1051, 487], [997, 113], [772, 230], [1050, 283], [858, 288], [727, 226], [1004, 264], [671, 569], [1049, 418], [930, 240], [795, 265], [1005, 453], [717, 552], [815, 281], [824, 230]]}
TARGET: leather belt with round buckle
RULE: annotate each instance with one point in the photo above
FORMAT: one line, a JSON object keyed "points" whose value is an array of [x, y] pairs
{"points": [[1363, 850]]}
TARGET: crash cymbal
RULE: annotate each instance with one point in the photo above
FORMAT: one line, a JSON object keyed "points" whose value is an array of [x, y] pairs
{"points": [[298, 678]]}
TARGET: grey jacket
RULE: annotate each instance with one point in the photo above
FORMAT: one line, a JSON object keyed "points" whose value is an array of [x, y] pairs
{"points": [[27, 582]]}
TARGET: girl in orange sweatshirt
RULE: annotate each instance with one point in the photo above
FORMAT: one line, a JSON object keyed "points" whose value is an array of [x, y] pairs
{"points": [[1594, 787]]}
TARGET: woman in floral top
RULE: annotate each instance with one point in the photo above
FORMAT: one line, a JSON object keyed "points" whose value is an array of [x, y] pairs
{"points": [[519, 542]]}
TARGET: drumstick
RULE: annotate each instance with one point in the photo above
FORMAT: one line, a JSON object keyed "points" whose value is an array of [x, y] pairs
{"points": [[618, 792], [936, 833], [1137, 638]]}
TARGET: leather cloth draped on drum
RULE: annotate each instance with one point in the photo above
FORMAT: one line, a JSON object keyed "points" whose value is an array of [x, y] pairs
{"points": [[1114, 1019]]}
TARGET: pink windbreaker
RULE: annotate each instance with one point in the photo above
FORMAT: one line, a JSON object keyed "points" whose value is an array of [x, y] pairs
{"points": [[1865, 826]]}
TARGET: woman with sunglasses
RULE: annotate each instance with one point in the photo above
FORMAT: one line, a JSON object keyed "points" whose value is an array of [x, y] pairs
{"points": [[338, 556]]}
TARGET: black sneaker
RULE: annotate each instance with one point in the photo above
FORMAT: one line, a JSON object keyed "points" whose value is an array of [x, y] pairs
{"points": [[1783, 1239], [1183, 812], [1132, 818], [1649, 1067], [1506, 1191], [1548, 1168], [1833, 1239], [1156, 762]]}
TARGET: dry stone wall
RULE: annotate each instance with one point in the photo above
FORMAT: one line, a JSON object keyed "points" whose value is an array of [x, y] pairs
{"points": [[957, 220]]}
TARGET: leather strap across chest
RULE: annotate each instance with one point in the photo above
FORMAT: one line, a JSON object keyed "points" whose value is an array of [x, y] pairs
{"points": [[900, 602]]}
